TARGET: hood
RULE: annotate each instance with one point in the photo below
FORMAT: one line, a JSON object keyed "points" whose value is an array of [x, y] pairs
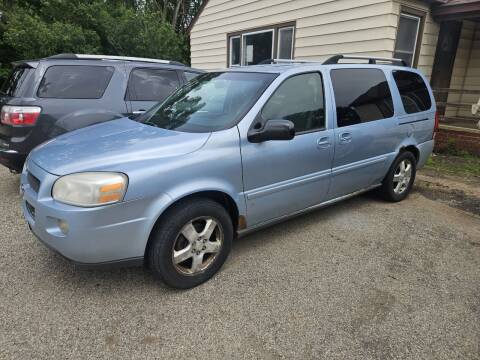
{"points": [[112, 144]]}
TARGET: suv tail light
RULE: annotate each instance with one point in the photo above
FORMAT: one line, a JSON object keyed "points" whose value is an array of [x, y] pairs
{"points": [[19, 115]]}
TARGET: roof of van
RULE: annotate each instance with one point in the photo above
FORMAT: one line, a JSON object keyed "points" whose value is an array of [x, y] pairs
{"points": [[278, 69], [282, 65]]}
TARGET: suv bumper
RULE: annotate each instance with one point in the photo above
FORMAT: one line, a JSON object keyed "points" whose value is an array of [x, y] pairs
{"points": [[12, 159]]}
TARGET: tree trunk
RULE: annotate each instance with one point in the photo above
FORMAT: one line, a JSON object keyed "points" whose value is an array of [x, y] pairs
{"points": [[175, 14]]}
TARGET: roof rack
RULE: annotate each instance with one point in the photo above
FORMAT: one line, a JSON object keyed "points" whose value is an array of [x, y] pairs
{"points": [[112, 57], [287, 61], [371, 60]]}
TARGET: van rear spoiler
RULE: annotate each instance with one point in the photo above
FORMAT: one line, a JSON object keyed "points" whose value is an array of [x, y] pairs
{"points": [[25, 63]]}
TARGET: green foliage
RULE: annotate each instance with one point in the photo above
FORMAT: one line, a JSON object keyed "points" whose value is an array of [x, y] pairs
{"points": [[146, 28], [31, 37]]}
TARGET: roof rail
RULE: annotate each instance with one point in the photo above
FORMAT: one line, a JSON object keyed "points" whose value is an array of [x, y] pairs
{"points": [[371, 60], [112, 57], [287, 61]]}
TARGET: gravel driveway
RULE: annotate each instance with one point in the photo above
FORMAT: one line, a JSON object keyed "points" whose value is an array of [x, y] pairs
{"points": [[361, 279]]}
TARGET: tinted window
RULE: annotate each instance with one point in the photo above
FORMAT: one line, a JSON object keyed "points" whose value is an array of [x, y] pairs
{"points": [[151, 84], [300, 100], [191, 75], [210, 102], [413, 91], [75, 82], [12, 84], [361, 95]]}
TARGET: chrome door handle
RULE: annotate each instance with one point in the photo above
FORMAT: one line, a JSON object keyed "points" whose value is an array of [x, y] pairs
{"points": [[345, 138], [138, 112], [323, 142]]}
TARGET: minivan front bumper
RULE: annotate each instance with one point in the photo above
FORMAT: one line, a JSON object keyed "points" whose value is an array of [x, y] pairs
{"points": [[101, 235]]}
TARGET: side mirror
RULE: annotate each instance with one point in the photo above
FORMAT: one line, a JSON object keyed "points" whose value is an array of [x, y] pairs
{"points": [[273, 130]]}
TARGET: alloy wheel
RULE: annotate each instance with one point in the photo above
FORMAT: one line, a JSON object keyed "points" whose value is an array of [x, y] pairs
{"points": [[197, 245], [402, 176]]}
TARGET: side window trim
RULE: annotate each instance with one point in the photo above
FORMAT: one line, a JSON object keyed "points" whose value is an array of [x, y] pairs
{"points": [[259, 119], [127, 91]]}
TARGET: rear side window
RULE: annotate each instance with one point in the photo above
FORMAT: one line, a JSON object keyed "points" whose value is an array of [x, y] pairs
{"points": [[413, 91], [300, 100], [75, 82], [151, 84], [361, 95], [14, 81]]}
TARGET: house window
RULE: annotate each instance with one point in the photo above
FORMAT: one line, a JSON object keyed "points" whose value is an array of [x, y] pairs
{"points": [[235, 50], [285, 42], [407, 37], [255, 46]]}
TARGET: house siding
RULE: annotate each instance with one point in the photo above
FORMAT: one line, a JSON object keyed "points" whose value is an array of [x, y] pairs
{"points": [[472, 72], [429, 37], [459, 72], [323, 28]]}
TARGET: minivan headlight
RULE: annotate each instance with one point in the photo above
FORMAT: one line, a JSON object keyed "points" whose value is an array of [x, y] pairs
{"points": [[90, 189]]}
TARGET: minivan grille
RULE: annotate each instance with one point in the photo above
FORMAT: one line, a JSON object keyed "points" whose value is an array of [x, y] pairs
{"points": [[33, 182], [30, 209]]}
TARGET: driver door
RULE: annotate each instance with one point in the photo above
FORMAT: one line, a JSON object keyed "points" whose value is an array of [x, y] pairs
{"points": [[283, 177]]}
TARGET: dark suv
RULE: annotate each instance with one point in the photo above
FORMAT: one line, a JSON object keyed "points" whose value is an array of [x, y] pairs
{"points": [[44, 98]]}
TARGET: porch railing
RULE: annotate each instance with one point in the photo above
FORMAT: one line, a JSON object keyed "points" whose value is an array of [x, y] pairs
{"points": [[455, 107]]}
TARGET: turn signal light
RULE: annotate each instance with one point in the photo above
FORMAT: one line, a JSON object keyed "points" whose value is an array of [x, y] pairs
{"points": [[19, 115]]}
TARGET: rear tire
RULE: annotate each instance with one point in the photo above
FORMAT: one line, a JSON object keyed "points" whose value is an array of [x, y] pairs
{"points": [[191, 243], [400, 178]]}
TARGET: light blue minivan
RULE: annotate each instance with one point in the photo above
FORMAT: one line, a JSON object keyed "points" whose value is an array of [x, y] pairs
{"points": [[230, 152]]}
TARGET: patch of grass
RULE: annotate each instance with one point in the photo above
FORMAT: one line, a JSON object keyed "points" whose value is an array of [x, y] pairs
{"points": [[463, 165]]}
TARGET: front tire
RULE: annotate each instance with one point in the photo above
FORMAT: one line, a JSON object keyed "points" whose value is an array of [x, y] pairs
{"points": [[191, 243], [399, 181]]}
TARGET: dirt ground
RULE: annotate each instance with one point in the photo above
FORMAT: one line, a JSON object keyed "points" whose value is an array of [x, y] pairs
{"points": [[363, 279]]}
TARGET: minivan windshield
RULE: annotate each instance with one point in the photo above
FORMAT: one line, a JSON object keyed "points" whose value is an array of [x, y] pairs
{"points": [[210, 102], [13, 82]]}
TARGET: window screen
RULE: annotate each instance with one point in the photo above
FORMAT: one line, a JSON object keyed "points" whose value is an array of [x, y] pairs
{"points": [[235, 50], [151, 84], [361, 95], [407, 34], [300, 100], [413, 91], [75, 82], [285, 43]]}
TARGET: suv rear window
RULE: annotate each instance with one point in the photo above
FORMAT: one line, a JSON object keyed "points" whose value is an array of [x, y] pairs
{"points": [[75, 81], [14, 81], [361, 95], [151, 84], [413, 91]]}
